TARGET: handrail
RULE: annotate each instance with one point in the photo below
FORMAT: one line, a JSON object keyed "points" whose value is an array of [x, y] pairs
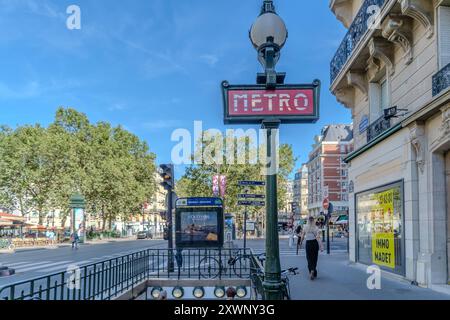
{"points": [[108, 279]]}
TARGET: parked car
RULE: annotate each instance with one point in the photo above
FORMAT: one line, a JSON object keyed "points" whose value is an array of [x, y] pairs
{"points": [[144, 235]]}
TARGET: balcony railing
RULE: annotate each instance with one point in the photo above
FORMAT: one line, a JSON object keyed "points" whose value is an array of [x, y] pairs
{"points": [[377, 128], [441, 80], [354, 35]]}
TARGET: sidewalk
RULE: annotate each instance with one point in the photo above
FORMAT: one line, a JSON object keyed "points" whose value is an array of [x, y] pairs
{"points": [[341, 280]]}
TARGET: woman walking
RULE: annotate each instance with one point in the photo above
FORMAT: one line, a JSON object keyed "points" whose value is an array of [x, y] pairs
{"points": [[311, 234]]}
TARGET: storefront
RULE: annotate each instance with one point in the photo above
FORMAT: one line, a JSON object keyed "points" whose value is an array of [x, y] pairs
{"points": [[380, 227]]}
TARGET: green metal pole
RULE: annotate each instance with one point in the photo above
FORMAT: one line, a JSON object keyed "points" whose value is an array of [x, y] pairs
{"points": [[272, 280]]}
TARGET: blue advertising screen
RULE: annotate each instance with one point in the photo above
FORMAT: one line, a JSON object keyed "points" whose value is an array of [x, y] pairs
{"points": [[199, 227]]}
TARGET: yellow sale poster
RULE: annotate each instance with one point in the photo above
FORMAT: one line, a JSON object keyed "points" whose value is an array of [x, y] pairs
{"points": [[383, 249]]}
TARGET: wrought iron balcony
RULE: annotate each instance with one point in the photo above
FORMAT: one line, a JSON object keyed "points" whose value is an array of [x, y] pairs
{"points": [[354, 35], [441, 80], [377, 128]]}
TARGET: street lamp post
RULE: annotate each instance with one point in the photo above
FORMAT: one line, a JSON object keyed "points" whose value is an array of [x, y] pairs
{"points": [[268, 35]]}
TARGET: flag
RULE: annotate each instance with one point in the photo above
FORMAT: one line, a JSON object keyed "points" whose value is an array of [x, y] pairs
{"points": [[223, 186], [215, 186]]}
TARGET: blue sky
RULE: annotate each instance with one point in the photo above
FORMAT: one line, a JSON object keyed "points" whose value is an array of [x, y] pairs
{"points": [[155, 65]]}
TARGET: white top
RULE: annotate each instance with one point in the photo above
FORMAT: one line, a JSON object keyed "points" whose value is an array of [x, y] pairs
{"points": [[311, 233]]}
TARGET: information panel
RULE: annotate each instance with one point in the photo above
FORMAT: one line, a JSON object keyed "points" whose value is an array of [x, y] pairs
{"points": [[199, 223]]}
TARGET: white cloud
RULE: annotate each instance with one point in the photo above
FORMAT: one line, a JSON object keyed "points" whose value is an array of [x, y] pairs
{"points": [[210, 59]]}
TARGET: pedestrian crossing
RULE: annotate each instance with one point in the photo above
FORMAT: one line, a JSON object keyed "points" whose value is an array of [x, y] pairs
{"points": [[49, 266]]}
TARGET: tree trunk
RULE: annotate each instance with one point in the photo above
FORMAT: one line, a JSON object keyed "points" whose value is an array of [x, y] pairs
{"points": [[103, 220]]}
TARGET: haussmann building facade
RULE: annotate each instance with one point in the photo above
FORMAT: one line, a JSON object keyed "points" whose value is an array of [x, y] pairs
{"points": [[392, 71]]}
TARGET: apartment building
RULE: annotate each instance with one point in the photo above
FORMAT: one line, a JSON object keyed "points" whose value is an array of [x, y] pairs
{"points": [[392, 71], [327, 171]]}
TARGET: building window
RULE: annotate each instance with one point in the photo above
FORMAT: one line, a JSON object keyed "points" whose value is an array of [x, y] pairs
{"points": [[379, 227], [379, 98], [444, 35]]}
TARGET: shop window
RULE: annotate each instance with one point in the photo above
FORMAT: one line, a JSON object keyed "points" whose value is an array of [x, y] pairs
{"points": [[380, 234]]}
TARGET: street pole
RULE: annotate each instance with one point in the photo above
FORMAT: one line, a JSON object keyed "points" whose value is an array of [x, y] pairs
{"points": [[245, 228], [245, 223], [328, 236], [272, 281], [170, 230]]}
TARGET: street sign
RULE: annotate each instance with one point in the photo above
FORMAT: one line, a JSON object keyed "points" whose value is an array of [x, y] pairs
{"points": [[251, 203], [251, 183], [251, 196], [251, 226], [199, 202], [251, 104], [326, 204]]}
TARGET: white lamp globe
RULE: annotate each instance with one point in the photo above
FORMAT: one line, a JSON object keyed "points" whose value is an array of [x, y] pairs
{"points": [[268, 25]]}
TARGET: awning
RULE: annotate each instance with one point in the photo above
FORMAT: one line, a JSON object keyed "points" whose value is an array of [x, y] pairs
{"points": [[5, 223], [35, 227], [342, 220], [10, 217]]}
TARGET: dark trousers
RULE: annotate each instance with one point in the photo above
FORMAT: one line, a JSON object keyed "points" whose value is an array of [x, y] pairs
{"points": [[312, 254]]}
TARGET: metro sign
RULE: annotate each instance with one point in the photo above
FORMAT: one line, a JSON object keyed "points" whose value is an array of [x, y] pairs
{"points": [[251, 104]]}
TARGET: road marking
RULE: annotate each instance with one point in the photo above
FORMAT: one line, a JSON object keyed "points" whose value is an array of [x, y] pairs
{"points": [[78, 264], [13, 265], [43, 266]]}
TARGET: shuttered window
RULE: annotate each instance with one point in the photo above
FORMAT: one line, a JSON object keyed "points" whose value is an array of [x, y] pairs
{"points": [[444, 35], [384, 97]]}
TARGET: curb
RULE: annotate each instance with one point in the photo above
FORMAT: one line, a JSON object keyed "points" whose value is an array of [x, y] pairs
{"points": [[64, 245]]}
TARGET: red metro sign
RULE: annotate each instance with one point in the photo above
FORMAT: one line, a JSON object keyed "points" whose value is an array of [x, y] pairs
{"points": [[250, 104]]}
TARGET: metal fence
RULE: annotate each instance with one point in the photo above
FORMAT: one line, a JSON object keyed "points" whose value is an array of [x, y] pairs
{"points": [[111, 278]]}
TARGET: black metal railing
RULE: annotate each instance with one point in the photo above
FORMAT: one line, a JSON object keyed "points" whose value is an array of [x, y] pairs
{"points": [[441, 80], [257, 277], [108, 279], [354, 35], [377, 128]]}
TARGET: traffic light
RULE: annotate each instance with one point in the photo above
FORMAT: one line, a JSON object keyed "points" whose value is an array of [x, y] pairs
{"points": [[167, 174]]}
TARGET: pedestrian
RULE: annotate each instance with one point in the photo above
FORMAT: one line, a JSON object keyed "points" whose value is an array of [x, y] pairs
{"points": [[311, 234], [291, 237], [74, 239], [298, 233]]}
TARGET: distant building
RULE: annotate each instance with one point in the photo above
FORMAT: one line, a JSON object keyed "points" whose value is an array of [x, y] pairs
{"points": [[300, 192], [327, 169]]}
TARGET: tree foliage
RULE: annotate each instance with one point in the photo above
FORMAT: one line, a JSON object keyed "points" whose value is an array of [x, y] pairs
{"points": [[213, 152], [40, 168]]}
